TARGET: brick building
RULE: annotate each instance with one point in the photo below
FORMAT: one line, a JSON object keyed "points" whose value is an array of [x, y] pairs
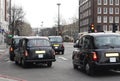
{"points": [[101, 13]]}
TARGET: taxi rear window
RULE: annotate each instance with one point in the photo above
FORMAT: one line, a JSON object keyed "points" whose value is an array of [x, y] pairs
{"points": [[107, 41]]}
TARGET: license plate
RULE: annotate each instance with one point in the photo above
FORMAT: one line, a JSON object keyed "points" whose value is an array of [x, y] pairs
{"points": [[40, 56], [112, 59], [56, 47]]}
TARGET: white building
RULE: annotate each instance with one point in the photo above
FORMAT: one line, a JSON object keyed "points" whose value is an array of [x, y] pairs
{"points": [[4, 18]]}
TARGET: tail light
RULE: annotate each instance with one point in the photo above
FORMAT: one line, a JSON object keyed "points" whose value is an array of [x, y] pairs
{"points": [[26, 53], [11, 49], [62, 46], [94, 56]]}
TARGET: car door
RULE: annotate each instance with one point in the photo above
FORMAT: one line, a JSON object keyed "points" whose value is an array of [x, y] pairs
{"points": [[86, 48], [78, 51]]}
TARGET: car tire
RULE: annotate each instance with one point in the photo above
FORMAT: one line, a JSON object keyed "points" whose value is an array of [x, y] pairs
{"points": [[89, 69], [16, 62], [75, 66], [11, 58], [49, 64], [62, 52], [23, 63]]}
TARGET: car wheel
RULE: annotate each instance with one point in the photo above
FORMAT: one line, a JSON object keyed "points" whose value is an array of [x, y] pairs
{"points": [[11, 58], [49, 64], [89, 70], [62, 52], [23, 63], [75, 66], [16, 62]]}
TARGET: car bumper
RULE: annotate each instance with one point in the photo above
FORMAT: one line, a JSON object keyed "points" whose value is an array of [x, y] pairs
{"points": [[106, 66], [41, 60]]}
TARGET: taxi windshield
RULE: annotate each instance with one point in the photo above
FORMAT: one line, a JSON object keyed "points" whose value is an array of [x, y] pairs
{"points": [[55, 39]]}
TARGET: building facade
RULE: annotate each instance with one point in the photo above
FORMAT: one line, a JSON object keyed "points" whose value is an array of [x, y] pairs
{"points": [[4, 18], [102, 13]]}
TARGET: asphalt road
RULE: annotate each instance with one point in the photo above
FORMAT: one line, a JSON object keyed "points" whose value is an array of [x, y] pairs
{"points": [[62, 70]]}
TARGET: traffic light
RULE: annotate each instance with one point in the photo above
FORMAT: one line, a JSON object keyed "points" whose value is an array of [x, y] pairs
{"points": [[92, 28], [114, 27]]}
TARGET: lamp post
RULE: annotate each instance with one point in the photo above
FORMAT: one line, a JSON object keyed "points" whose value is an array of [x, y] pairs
{"points": [[10, 27], [59, 18]]}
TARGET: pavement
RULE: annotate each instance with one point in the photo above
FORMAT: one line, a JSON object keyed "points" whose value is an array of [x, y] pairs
{"points": [[3, 50]]}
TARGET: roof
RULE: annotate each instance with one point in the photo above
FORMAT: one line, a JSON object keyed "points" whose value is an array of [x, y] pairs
{"points": [[102, 34], [19, 36], [37, 37], [54, 37]]}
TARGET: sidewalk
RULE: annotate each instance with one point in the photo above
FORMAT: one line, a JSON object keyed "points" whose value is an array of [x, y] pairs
{"points": [[8, 78], [3, 49]]}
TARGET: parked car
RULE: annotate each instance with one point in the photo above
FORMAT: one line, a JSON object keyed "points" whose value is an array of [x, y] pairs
{"points": [[34, 50], [57, 43], [14, 45], [97, 51]]}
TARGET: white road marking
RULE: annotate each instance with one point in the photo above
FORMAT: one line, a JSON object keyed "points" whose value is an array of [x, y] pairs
{"points": [[2, 50], [63, 58]]}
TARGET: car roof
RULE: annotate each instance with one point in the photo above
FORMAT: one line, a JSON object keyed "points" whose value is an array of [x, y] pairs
{"points": [[19, 36], [103, 34], [53, 36], [37, 37]]}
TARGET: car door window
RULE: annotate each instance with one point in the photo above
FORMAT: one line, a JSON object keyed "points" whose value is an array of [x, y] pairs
{"points": [[87, 42], [80, 42]]}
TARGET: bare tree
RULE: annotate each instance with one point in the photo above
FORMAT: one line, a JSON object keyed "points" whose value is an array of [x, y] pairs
{"points": [[25, 30], [17, 16]]}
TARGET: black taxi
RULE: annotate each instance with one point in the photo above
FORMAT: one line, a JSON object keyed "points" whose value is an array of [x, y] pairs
{"points": [[57, 43], [97, 51], [34, 50], [14, 45]]}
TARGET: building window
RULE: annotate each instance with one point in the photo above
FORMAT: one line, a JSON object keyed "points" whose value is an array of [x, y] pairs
{"points": [[116, 2], [110, 10], [111, 2], [99, 10], [104, 10], [110, 27], [116, 10], [118, 28], [104, 19], [99, 2], [99, 19], [111, 19], [117, 19], [104, 27], [105, 2]]}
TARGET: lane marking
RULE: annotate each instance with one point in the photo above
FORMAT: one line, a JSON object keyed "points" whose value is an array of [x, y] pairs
{"points": [[2, 51], [63, 58]]}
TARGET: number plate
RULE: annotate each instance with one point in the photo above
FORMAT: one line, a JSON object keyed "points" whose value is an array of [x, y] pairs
{"points": [[113, 59], [40, 56], [56, 47]]}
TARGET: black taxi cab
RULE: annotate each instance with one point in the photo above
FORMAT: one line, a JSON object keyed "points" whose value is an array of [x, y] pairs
{"points": [[34, 50], [97, 51], [14, 45], [57, 43]]}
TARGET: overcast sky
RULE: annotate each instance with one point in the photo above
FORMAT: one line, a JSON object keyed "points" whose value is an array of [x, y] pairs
{"points": [[46, 11]]}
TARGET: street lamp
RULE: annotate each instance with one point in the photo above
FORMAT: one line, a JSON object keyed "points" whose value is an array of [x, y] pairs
{"points": [[58, 18]]}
